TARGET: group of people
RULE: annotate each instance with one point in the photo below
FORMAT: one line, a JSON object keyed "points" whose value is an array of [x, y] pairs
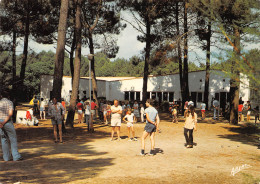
{"points": [[246, 107], [116, 113]]}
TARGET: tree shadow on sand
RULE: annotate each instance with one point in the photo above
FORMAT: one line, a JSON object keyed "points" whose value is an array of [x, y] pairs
{"points": [[47, 162], [247, 134]]}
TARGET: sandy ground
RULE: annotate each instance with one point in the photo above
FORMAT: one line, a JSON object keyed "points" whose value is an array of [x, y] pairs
{"points": [[93, 158]]}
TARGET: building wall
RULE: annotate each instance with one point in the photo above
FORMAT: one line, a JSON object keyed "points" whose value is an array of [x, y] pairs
{"points": [[47, 85], [218, 86]]}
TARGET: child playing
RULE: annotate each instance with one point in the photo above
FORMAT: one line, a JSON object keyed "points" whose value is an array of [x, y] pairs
{"points": [[174, 115], [130, 126]]}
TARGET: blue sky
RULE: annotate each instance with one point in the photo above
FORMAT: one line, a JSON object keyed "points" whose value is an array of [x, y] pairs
{"points": [[129, 46]]}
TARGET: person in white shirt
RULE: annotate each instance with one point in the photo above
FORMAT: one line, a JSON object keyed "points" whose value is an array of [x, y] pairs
{"points": [[42, 109], [87, 112], [116, 111], [130, 119], [190, 103], [142, 112], [190, 125]]}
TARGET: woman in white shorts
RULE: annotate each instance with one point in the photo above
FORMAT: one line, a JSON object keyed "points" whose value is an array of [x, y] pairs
{"points": [[130, 123]]}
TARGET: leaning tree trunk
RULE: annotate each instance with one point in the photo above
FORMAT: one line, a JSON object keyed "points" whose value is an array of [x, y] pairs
{"points": [[59, 57], [25, 50], [93, 75], [206, 90], [76, 78], [147, 57], [235, 80], [185, 60]]}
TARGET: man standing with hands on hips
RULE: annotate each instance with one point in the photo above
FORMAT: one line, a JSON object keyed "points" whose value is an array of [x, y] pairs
{"points": [[7, 130]]}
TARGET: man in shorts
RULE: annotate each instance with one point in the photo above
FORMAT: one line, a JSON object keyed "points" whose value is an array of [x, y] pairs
{"points": [[116, 111], [152, 124]]}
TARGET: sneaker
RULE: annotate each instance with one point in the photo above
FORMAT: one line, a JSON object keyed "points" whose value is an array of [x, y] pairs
{"points": [[130, 139], [135, 139], [151, 153], [141, 154], [19, 159]]}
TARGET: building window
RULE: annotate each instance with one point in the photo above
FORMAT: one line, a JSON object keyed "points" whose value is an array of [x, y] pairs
{"points": [[138, 96], [132, 95], [159, 96], [165, 96], [126, 95], [217, 96], [148, 95], [171, 96], [153, 95], [199, 97]]}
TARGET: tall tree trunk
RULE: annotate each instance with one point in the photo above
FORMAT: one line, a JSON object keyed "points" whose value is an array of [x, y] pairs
{"points": [[185, 59], [93, 75], [147, 57], [179, 52], [25, 47], [76, 78], [72, 49], [206, 90], [14, 61], [59, 57], [235, 80]]}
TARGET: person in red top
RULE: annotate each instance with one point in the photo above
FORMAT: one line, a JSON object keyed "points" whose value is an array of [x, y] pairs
{"points": [[80, 111], [240, 109], [93, 108]]}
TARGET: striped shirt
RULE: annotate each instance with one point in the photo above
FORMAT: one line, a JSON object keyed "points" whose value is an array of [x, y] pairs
{"points": [[57, 111], [5, 106]]}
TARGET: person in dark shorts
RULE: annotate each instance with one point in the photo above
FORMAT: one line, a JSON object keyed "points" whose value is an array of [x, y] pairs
{"points": [[152, 124]]}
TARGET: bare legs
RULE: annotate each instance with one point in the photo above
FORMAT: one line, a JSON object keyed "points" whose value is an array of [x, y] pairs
{"points": [[117, 129], [132, 130], [144, 136], [42, 113], [55, 132], [80, 117]]}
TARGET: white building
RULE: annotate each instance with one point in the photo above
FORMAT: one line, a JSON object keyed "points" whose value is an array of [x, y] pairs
{"points": [[162, 88]]}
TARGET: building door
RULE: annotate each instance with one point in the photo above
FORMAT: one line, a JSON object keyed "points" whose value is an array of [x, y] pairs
{"points": [[223, 99], [194, 98]]}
